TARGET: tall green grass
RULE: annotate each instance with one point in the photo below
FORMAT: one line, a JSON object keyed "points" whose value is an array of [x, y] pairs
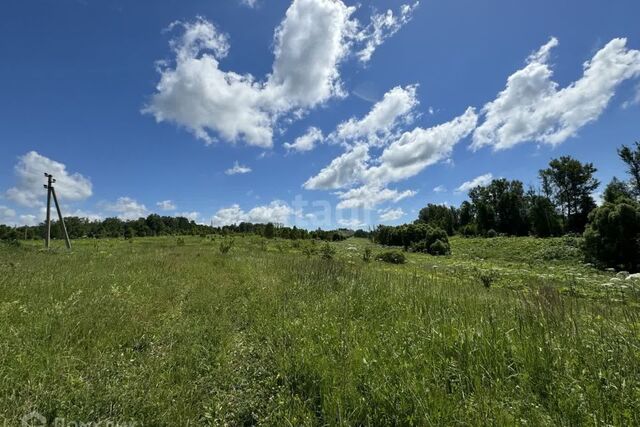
{"points": [[166, 334]]}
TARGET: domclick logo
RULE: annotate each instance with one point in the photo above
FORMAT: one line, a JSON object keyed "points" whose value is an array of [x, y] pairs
{"points": [[35, 419]]}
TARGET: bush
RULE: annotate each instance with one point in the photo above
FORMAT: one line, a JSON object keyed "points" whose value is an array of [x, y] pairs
{"points": [[327, 251], [436, 242], [393, 257], [487, 277], [492, 234], [180, 241], [468, 230], [366, 255], [226, 245], [612, 237], [439, 248]]}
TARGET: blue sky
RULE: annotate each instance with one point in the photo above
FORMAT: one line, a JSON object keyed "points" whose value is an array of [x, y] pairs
{"points": [[133, 104]]}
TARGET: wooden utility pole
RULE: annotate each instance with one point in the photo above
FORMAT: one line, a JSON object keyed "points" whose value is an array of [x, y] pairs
{"points": [[52, 191]]}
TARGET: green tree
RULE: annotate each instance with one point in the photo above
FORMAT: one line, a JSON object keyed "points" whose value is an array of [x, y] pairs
{"points": [[438, 216], [613, 235], [616, 190], [569, 184], [269, 231], [631, 156], [501, 206], [543, 218]]}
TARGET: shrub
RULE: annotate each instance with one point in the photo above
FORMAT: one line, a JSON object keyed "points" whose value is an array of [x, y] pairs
{"points": [[487, 277], [435, 242], [612, 237], [366, 255], [468, 230], [226, 245], [327, 251], [180, 241], [439, 248], [492, 233], [393, 257]]}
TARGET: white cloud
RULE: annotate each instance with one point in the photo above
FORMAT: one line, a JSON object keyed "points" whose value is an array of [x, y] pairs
{"points": [[369, 196], [342, 171], [191, 216], [166, 205], [238, 169], [635, 100], [388, 215], [275, 212], [249, 3], [28, 219], [307, 141], [127, 208], [312, 41], [91, 216], [30, 171], [407, 156], [396, 107], [420, 148], [6, 214], [440, 189], [351, 223], [481, 180], [532, 108], [383, 26]]}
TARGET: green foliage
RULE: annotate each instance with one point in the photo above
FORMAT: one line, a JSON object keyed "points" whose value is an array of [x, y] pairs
{"points": [[392, 257], [226, 245], [180, 241], [543, 218], [491, 234], [439, 216], [468, 230], [616, 190], [269, 231], [501, 205], [439, 248], [631, 157], [570, 184], [327, 251], [419, 237], [487, 277], [612, 238], [367, 254]]}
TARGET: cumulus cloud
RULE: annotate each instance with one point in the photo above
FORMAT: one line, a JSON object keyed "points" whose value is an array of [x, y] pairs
{"points": [[310, 44], [533, 108], [166, 205], [396, 107], [352, 223], [481, 180], [275, 212], [7, 215], [383, 26], [307, 141], [388, 215], [237, 169], [420, 148], [405, 157], [30, 171], [342, 171], [369, 196], [127, 208]]}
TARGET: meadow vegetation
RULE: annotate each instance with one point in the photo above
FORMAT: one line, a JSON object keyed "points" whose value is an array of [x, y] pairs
{"points": [[163, 331]]}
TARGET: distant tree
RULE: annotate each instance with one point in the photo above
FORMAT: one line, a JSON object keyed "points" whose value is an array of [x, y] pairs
{"points": [[465, 214], [631, 156], [438, 216], [616, 190], [569, 184], [269, 231], [543, 218], [501, 206]]}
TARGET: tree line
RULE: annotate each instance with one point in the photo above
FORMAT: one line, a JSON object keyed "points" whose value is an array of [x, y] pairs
{"points": [[562, 204]]}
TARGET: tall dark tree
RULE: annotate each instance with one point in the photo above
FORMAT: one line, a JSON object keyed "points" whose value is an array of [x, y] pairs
{"points": [[543, 218], [569, 184], [466, 215], [500, 206], [631, 156], [438, 216]]}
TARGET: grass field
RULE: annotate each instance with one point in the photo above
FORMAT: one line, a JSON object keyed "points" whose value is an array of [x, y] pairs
{"points": [[159, 331]]}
